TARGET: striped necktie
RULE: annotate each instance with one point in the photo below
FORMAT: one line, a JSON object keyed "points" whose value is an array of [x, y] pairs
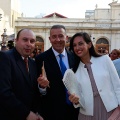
{"points": [[26, 63]]}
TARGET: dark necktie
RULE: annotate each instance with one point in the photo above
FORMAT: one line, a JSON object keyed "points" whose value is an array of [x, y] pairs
{"points": [[63, 69], [26, 63]]}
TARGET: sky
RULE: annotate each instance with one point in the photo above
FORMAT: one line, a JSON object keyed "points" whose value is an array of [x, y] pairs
{"points": [[68, 8]]}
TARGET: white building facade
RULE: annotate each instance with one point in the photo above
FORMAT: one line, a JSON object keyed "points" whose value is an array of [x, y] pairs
{"points": [[103, 25], [9, 10]]}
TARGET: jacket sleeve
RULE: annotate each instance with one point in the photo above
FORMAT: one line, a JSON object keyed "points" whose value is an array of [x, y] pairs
{"points": [[117, 65], [114, 77]]}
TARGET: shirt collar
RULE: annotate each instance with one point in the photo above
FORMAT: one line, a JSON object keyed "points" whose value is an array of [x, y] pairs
{"points": [[23, 57], [56, 53]]}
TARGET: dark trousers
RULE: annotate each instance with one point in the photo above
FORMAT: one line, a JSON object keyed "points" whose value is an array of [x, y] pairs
{"points": [[71, 113], [68, 113]]}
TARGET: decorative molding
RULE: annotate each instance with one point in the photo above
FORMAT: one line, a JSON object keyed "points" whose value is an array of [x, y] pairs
{"points": [[103, 25]]}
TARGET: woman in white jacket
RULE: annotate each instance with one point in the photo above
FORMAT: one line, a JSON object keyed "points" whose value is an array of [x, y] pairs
{"points": [[98, 78]]}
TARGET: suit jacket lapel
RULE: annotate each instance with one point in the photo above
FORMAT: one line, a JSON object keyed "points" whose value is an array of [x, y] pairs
{"points": [[32, 70], [70, 59], [21, 65], [53, 61]]}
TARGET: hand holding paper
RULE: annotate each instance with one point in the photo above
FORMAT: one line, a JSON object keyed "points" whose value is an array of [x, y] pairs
{"points": [[73, 86], [74, 99]]}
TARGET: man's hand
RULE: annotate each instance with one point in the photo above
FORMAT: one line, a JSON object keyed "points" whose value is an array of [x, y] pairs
{"points": [[40, 117], [43, 82], [33, 116]]}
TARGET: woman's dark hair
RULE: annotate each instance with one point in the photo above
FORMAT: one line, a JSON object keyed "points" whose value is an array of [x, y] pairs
{"points": [[87, 39]]}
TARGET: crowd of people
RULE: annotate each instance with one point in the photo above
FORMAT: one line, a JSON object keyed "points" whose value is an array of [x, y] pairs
{"points": [[32, 89]]}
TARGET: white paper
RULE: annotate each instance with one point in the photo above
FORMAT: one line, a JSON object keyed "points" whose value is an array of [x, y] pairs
{"points": [[73, 86]]}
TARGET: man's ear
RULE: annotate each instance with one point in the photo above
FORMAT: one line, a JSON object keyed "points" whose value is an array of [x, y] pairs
{"points": [[49, 40], [66, 38], [15, 41]]}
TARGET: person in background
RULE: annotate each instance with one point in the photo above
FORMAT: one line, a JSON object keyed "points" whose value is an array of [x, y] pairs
{"points": [[117, 65], [32, 55], [4, 48], [19, 94], [56, 105], [100, 88], [115, 54], [106, 52]]}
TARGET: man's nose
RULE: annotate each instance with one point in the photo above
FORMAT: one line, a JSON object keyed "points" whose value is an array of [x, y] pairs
{"points": [[57, 38], [28, 42]]}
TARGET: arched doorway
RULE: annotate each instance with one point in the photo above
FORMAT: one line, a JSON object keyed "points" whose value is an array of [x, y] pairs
{"points": [[102, 45], [39, 45]]}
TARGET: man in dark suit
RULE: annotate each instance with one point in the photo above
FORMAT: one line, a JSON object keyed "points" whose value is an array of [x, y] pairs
{"points": [[54, 102], [19, 94]]}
